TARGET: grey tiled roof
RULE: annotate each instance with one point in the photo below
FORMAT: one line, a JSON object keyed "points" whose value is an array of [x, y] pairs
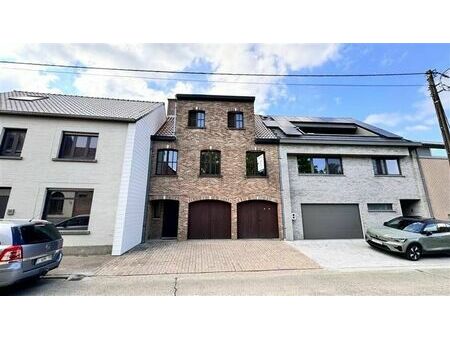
{"points": [[59, 105], [261, 131], [168, 128]]}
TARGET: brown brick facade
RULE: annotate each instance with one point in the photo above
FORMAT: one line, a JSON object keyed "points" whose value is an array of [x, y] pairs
{"points": [[232, 186]]}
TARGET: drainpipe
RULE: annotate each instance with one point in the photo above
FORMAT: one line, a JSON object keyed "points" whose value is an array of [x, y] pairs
{"points": [[424, 185]]}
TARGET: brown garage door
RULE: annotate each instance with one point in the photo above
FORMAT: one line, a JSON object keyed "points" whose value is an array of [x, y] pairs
{"points": [[209, 220], [257, 219]]}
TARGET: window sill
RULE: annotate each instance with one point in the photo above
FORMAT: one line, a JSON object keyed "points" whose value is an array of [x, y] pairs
{"points": [[210, 176], [382, 211], [389, 175], [56, 159], [231, 128], [3, 157], [323, 175], [74, 232], [189, 127], [257, 176]]}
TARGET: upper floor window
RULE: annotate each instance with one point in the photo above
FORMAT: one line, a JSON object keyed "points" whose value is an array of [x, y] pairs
{"points": [[210, 162], [386, 166], [196, 119], [255, 163], [319, 165], [12, 142], [235, 120], [78, 146], [166, 162]]}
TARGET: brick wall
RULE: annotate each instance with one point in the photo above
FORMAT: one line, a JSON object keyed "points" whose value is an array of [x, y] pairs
{"points": [[233, 186]]}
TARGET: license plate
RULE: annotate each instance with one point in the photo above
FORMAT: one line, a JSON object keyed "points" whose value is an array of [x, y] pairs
{"points": [[43, 259], [376, 241]]}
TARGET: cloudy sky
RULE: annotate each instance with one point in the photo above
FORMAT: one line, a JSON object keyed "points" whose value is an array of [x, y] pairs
{"points": [[404, 110]]}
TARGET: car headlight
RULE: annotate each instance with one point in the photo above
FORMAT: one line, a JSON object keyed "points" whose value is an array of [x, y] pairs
{"points": [[399, 240]]}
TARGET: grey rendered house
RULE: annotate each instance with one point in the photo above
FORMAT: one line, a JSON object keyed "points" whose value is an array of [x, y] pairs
{"points": [[79, 160], [340, 175]]}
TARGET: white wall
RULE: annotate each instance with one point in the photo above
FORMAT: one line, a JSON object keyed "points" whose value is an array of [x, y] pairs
{"points": [[30, 177], [133, 184], [358, 185]]}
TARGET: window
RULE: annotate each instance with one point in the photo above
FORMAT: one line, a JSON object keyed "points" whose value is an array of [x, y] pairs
{"points": [[78, 146], [235, 120], [157, 209], [38, 233], [4, 197], [256, 163], [68, 209], [166, 162], [385, 166], [210, 162], [28, 98], [319, 165], [12, 142], [380, 207], [196, 119]]}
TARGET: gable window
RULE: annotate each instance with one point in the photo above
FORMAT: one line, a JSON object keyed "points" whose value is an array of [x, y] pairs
{"points": [[235, 120], [78, 146], [209, 162], [380, 207], [196, 119], [386, 166], [166, 162], [319, 165], [12, 142], [255, 163]]}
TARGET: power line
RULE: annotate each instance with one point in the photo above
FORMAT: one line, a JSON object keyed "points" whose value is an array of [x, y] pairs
{"points": [[221, 81], [207, 73]]}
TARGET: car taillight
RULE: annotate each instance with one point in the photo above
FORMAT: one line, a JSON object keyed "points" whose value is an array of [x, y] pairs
{"points": [[11, 254]]}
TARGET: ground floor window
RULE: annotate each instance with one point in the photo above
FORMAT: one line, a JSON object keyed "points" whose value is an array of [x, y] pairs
{"points": [[4, 197], [380, 207], [68, 209]]}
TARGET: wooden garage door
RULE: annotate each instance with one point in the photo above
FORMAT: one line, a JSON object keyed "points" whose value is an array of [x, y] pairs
{"points": [[209, 220], [257, 219], [331, 221]]}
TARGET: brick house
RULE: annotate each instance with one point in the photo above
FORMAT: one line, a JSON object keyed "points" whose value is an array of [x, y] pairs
{"points": [[215, 172]]}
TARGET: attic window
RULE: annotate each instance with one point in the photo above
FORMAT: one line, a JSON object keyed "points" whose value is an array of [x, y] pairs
{"points": [[28, 98]]}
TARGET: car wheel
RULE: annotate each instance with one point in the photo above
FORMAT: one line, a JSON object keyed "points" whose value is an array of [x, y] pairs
{"points": [[414, 252]]}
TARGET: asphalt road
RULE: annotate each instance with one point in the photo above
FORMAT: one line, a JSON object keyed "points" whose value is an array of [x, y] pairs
{"points": [[435, 281]]}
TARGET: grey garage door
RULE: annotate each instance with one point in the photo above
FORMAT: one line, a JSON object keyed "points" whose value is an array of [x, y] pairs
{"points": [[331, 221]]}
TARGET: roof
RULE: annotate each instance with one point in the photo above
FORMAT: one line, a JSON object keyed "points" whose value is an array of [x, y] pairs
{"points": [[72, 106], [262, 133], [227, 98], [167, 130], [289, 132]]}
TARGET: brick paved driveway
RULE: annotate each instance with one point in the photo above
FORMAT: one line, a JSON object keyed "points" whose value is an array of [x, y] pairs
{"points": [[199, 256]]}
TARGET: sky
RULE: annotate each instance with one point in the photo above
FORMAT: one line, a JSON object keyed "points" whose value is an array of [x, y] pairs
{"points": [[407, 111]]}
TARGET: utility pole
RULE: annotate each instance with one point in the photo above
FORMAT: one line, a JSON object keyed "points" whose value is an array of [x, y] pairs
{"points": [[443, 122]]}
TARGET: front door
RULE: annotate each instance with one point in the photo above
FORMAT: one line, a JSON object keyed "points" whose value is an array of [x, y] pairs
{"points": [[170, 219]]}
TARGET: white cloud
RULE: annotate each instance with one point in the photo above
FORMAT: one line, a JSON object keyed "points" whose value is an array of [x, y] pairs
{"points": [[255, 58]]}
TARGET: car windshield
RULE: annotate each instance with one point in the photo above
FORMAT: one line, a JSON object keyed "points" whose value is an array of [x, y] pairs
{"points": [[414, 227], [410, 225]]}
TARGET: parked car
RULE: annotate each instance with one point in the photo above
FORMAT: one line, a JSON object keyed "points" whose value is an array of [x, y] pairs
{"points": [[411, 236], [79, 222], [28, 248]]}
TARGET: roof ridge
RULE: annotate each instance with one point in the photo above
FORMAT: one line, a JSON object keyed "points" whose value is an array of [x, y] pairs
{"points": [[85, 96]]}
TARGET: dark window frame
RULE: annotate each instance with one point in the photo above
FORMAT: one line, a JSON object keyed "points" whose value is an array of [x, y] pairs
{"points": [[255, 166], [162, 170], [311, 159], [233, 122], [371, 207], [383, 166], [207, 166], [46, 210], [17, 146], [71, 153], [197, 119]]}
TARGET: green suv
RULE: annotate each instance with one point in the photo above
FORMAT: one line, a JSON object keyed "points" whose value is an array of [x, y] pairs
{"points": [[411, 236]]}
